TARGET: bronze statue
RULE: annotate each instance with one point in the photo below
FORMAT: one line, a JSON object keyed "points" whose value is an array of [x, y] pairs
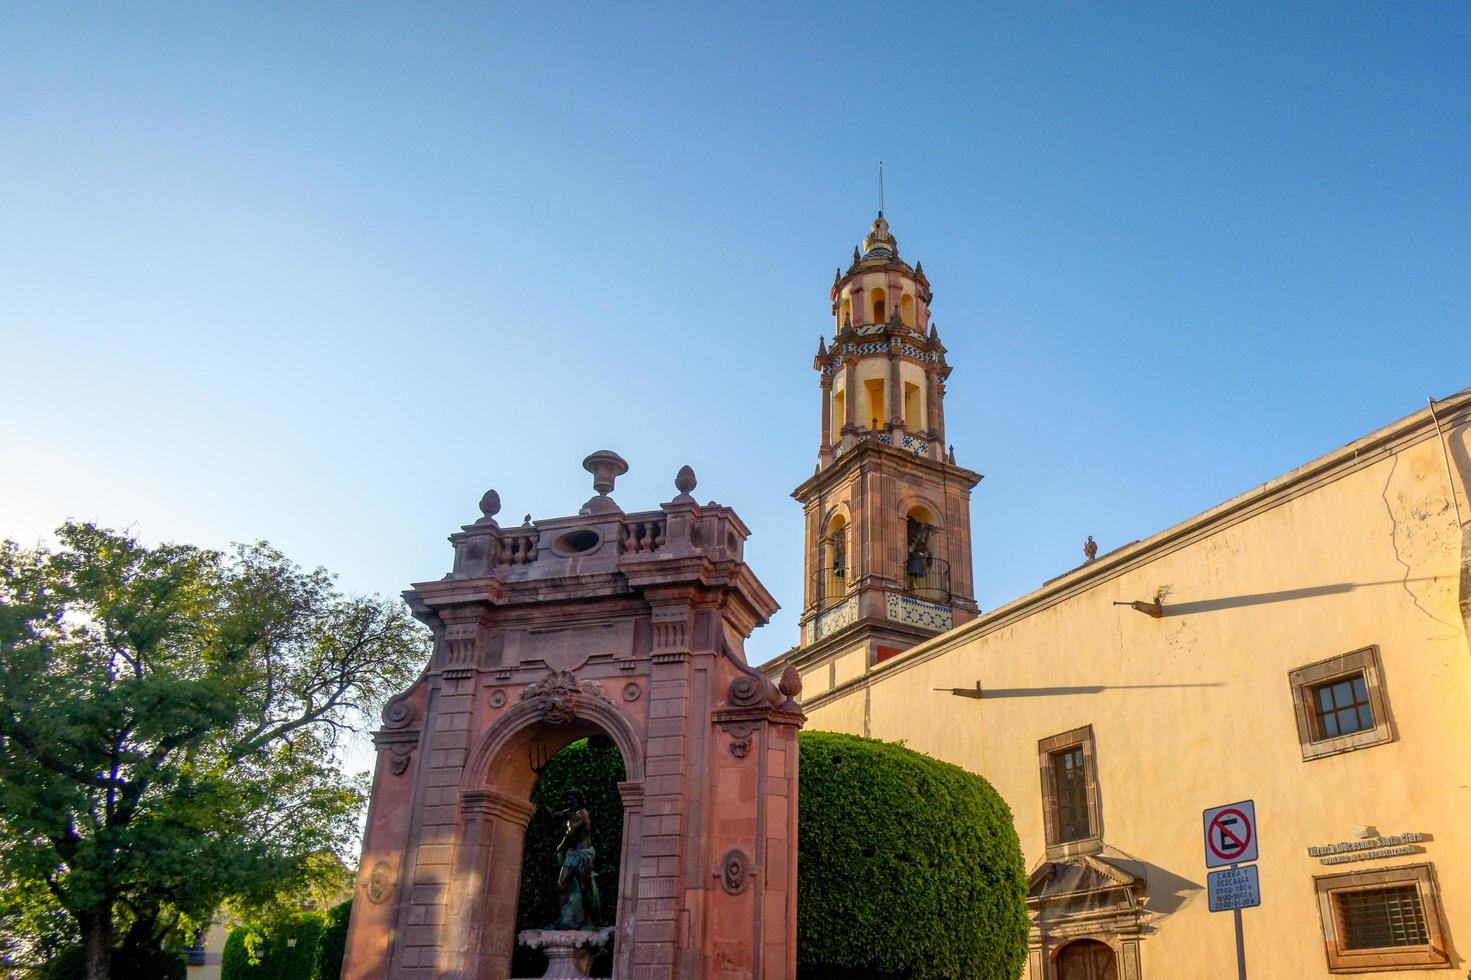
{"points": [[919, 548], [577, 886]]}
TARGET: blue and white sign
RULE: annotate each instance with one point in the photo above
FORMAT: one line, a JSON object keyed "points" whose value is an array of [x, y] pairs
{"points": [[1234, 888]]}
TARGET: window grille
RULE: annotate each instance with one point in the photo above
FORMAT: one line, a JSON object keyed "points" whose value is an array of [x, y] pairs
{"points": [[1381, 918], [1342, 707], [1072, 794]]}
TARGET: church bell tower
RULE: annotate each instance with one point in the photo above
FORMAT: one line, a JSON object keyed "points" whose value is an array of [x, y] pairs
{"points": [[888, 556]]}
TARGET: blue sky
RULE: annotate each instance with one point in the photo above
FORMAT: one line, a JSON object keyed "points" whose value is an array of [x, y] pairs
{"points": [[322, 274]]}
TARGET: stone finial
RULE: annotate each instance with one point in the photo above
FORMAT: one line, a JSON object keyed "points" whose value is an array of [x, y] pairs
{"points": [[951, 458], [837, 273], [934, 334], [791, 682], [821, 346], [490, 505], [856, 256], [605, 466], [684, 482], [919, 270], [1090, 549]]}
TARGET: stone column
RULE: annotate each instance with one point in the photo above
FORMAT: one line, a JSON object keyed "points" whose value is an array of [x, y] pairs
{"points": [[896, 392], [940, 411], [825, 448], [932, 399], [480, 932], [659, 930], [632, 794], [850, 396]]}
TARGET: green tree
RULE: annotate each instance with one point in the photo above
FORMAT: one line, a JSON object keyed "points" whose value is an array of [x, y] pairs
{"points": [[286, 949], [169, 720], [332, 947]]}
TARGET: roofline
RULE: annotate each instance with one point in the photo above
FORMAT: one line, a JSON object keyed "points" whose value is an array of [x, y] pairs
{"points": [[1451, 411]]}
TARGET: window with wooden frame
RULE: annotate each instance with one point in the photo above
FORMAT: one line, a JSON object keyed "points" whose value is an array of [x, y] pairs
{"points": [[1386, 919], [1070, 810], [1341, 704]]}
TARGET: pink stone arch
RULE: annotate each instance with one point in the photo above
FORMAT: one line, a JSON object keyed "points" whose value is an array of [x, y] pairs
{"points": [[495, 807]]}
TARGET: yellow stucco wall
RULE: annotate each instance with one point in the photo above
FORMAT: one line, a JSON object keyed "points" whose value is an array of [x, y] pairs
{"points": [[1194, 709]]}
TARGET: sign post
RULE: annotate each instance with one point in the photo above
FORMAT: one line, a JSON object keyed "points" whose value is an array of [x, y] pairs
{"points": [[1231, 840]]}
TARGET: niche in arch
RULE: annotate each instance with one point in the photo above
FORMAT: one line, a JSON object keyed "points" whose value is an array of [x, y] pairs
{"points": [[496, 803], [878, 304]]}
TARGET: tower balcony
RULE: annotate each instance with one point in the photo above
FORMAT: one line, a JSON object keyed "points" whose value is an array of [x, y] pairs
{"points": [[928, 578]]}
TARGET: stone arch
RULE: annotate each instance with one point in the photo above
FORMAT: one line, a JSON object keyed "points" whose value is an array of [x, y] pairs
{"points": [[910, 502], [837, 510], [490, 765], [495, 808]]}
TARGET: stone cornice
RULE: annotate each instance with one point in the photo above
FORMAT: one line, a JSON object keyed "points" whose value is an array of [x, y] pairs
{"points": [[870, 451]]}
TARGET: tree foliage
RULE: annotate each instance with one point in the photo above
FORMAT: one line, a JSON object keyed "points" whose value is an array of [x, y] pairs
{"points": [[908, 867], [169, 718], [285, 950], [332, 946]]}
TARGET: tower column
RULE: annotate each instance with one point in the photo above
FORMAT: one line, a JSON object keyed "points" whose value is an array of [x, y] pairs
{"points": [[825, 445], [896, 396], [940, 403], [850, 399], [932, 400]]}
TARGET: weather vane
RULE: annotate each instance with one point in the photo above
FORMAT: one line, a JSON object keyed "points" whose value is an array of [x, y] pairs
{"points": [[881, 187]]}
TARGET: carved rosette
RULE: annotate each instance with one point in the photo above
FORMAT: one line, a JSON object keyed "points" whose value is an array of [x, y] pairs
{"points": [[735, 871], [555, 695]]}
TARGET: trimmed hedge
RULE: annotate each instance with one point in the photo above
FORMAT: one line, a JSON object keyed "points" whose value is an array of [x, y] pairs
{"points": [[278, 958], [332, 945], [908, 867]]}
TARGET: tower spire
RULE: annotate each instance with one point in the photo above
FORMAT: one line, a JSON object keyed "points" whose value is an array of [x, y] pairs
{"points": [[881, 188]]}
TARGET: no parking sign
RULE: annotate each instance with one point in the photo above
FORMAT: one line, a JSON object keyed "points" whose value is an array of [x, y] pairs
{"points": [[1230, 834]]}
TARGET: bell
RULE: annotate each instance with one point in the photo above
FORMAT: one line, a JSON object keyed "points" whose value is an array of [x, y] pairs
{"points": [[914, 567]]}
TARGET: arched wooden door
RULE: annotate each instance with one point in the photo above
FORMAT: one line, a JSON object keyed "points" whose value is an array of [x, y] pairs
{"points": [[1086, 959]]}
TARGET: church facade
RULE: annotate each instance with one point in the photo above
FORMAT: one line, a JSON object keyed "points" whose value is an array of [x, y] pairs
{"points": [[1303, 646]]}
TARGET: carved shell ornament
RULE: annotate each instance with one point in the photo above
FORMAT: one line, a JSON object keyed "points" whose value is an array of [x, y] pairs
{"points": [[555, 695]]}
